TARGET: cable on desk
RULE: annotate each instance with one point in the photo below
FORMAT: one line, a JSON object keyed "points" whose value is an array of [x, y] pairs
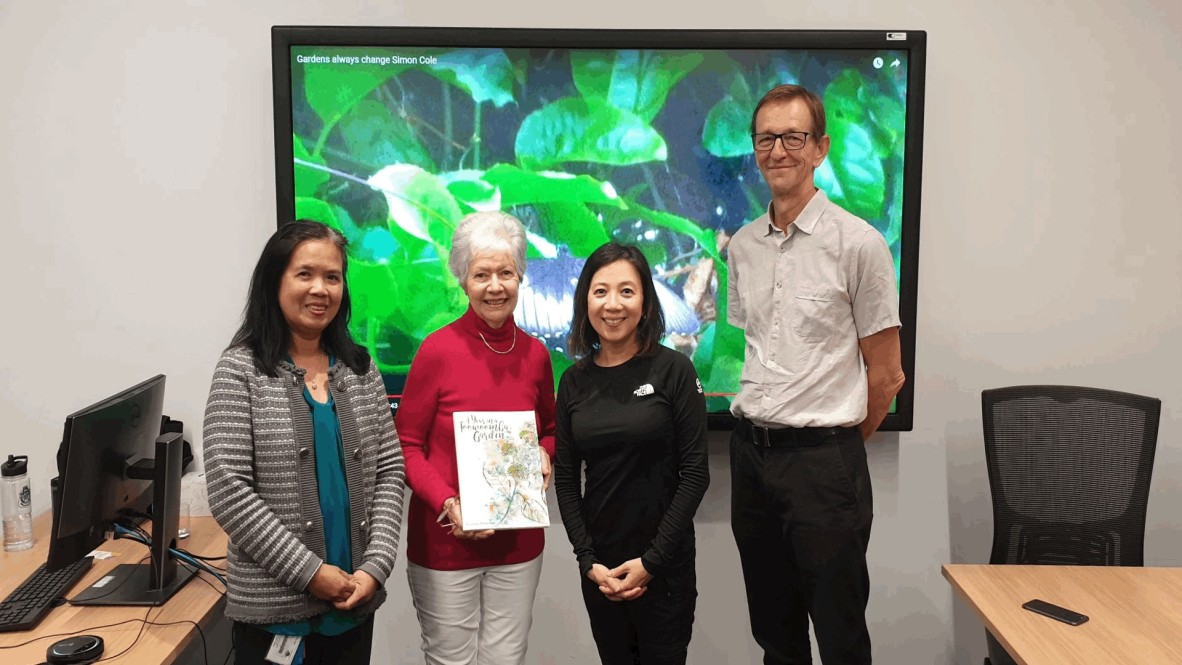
{"points": [[201, 633], [192, 564], [135, 527], [125, 532], [137, 638], [71, 634], [185, 560], [220, 591], [204, 558], [144, 623]]}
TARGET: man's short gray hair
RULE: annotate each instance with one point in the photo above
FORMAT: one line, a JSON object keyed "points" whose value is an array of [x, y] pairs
{"points": [[486, 232]]}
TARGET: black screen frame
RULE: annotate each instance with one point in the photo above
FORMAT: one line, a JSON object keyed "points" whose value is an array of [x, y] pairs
{"points": [[284, 38], [87, 490]]}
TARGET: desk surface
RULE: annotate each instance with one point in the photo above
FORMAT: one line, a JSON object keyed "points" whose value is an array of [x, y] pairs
{"points": [[1135, 613], [196, 601]]}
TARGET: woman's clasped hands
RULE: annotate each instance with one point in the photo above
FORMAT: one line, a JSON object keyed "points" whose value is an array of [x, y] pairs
{"points": [[627, 581], [345, 591]]}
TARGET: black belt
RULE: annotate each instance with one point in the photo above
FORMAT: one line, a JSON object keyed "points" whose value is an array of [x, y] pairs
{"points": [[787, 437]]}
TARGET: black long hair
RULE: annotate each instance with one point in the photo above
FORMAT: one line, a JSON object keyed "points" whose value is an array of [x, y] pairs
{"points": [[583, 340], [264, 329]]}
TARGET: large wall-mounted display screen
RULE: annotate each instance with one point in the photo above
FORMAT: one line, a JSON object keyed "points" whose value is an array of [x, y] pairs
{"points": [[392, 135]]}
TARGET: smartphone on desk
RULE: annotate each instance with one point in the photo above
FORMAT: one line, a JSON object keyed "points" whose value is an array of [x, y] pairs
{"points": [[1055, 612]]}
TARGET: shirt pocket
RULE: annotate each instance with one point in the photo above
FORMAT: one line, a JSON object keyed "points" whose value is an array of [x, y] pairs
{"points": [[817, 313]]}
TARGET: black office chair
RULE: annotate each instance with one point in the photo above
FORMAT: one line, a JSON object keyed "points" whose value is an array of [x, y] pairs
{"points": [[1069, 471]]}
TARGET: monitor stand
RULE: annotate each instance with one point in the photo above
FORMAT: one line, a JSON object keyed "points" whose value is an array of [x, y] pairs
{"points": [[155, 582], [131, 584]]}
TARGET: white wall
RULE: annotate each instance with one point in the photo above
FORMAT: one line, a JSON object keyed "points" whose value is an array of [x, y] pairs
{"points": [[136, 189]]}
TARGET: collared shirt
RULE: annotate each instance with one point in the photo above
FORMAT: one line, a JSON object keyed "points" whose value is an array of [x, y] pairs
{"points": [[804, 298]]}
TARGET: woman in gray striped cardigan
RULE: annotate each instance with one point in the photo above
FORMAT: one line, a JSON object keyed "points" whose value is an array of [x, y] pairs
{"points": [[304, 467]]}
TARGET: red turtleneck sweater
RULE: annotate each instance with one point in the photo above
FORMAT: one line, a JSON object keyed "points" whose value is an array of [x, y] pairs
{"points": [[455, 371]]}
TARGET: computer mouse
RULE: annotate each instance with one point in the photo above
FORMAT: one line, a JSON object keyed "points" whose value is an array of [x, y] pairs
{"points": [[77, 649]]}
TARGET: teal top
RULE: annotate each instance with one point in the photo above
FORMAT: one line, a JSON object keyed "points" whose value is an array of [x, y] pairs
{"points": [[334, 509]]}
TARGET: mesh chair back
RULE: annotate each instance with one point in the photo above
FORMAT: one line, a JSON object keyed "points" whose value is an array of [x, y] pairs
{"points": [[1069, 470]]}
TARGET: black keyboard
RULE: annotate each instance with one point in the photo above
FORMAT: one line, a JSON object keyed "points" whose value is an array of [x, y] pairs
{"points": [[24, 607]]}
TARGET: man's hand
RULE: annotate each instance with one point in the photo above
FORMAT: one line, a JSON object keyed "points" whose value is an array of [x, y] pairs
{"points": [[452, 506], [331, 583], [546, 469], [365, 586]]}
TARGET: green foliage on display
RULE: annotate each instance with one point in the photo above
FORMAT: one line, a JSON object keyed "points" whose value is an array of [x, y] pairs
{"points": [[396, 180]]}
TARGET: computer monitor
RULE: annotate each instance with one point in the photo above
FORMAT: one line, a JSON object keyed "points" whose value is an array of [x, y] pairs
{"points": [[111, 463]]}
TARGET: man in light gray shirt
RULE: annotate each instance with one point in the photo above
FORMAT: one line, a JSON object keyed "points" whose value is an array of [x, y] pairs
{"points": [[813, 287]]}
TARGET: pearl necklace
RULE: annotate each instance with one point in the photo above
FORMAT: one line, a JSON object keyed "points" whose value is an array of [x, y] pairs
{"points": [[511, 346]]}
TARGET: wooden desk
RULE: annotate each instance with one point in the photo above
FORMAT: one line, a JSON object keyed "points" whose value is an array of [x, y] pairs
{"points": [[1135, 613], [196, 601]]}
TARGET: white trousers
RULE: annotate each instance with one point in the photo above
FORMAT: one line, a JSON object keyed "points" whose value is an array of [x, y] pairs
{"points": [[480, 616]]}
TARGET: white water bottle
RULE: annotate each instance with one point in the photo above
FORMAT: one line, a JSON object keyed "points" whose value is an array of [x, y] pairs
{"points": [[17, 503]]}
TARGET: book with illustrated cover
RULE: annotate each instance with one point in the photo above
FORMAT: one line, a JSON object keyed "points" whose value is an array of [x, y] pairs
{"points": [[500, 470]]}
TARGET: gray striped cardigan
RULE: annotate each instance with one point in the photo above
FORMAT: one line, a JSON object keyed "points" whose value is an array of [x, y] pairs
{"points": [[260, 467]]}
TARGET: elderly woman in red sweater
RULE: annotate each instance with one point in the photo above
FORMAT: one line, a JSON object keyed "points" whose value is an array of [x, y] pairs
{"points": [[473, 590]]}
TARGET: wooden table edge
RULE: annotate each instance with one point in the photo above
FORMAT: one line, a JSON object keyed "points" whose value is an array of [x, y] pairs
{"points": [[985, 620]]}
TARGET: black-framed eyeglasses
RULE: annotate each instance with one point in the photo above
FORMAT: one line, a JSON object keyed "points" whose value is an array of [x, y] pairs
{"points": [[765, 141]]}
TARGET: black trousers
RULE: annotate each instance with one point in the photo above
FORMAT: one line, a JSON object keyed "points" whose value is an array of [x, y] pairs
{"points": [[251, 644], [653, 629], [801, 518]]}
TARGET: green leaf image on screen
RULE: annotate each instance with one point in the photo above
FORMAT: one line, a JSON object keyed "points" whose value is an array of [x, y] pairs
{"points": [[393, 146]]}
